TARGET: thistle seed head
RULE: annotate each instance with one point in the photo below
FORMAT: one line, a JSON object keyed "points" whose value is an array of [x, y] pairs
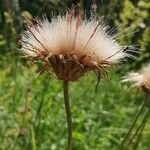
{"points": [[71, 46], [139, 79]]}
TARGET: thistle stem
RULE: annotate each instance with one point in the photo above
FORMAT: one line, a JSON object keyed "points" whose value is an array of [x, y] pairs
{"points": [[68, 113], [143, 124], [132, 126], [140, 126]]}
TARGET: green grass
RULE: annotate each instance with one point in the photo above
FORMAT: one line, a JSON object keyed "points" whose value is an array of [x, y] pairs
{"points": [[32, 114]]}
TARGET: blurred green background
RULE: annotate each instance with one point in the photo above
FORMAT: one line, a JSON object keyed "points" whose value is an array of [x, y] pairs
{"points": [[32, 114]]}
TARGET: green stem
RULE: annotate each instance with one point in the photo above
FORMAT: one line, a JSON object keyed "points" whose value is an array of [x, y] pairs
{"points": [[68, 113], [132, 126], [141, 128]]}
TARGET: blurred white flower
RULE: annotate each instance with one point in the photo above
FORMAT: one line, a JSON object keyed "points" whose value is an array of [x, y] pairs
{"points": [[139, 79]]}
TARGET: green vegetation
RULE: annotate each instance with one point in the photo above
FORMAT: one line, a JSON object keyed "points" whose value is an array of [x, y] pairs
{"points": [[32, 110], [32, 114]]}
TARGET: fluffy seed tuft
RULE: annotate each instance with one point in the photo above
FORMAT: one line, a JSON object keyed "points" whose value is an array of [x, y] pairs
{"points": [[139, 79], [71, 46]]}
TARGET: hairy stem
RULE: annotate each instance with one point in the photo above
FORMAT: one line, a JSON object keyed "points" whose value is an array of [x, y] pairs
{"points": [[68, 113]]}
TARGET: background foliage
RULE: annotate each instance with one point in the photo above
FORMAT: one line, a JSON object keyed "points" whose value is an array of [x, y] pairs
{"points": [[32, 114]]}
